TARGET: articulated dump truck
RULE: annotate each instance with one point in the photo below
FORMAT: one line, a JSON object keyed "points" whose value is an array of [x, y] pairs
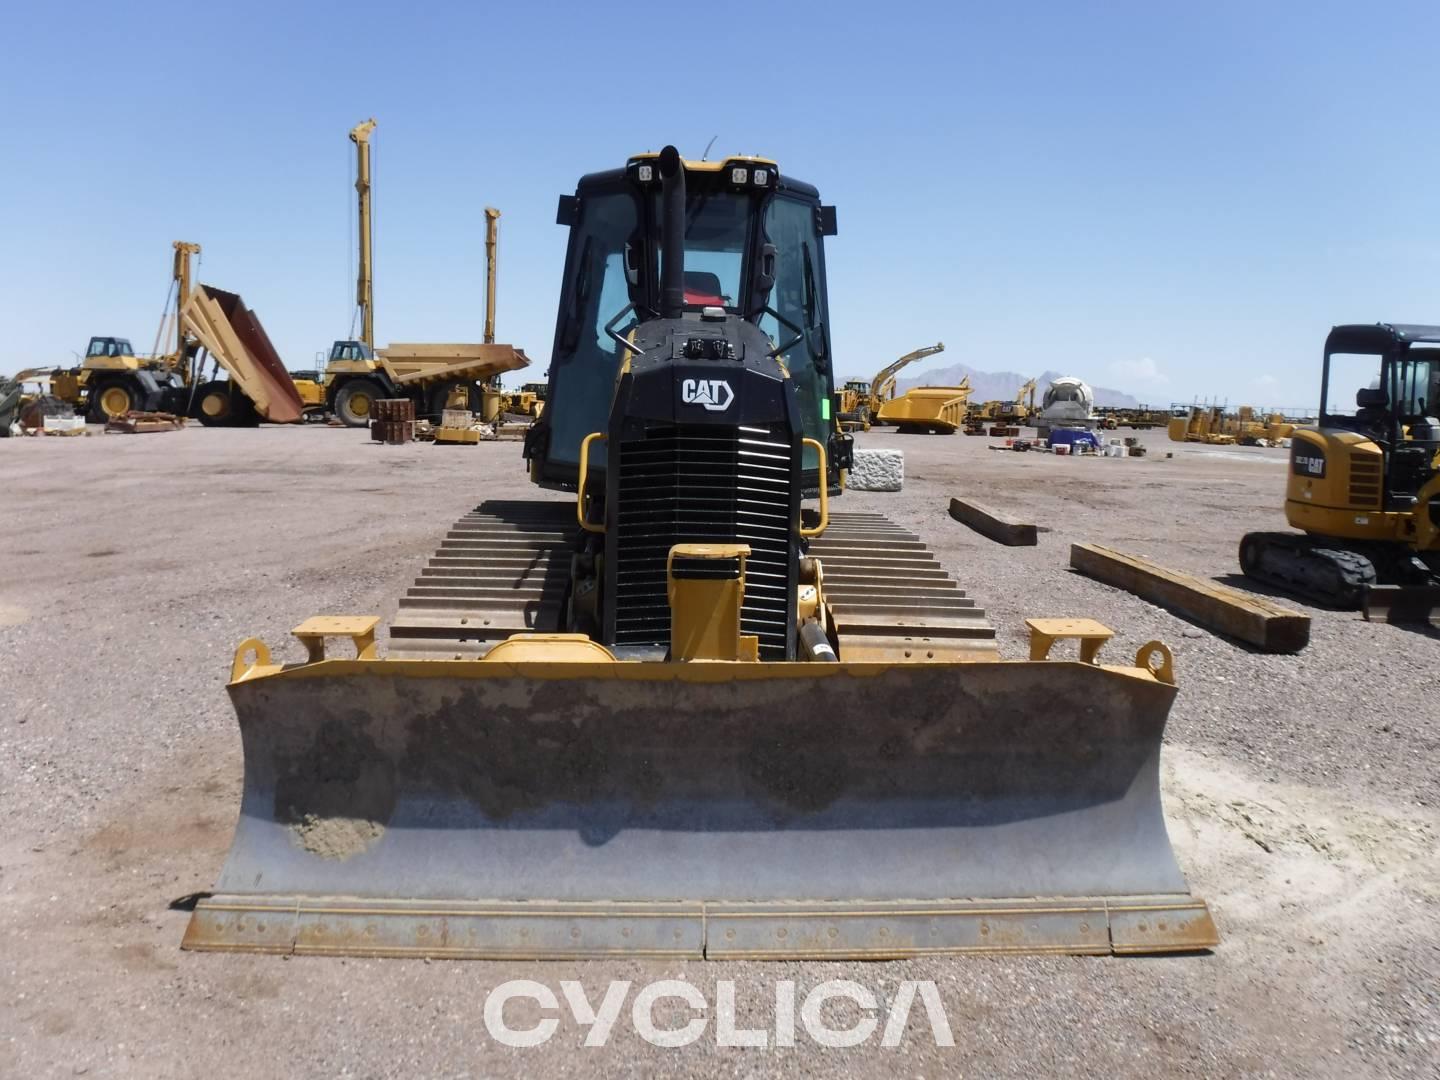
{"points": [[682, 707]]}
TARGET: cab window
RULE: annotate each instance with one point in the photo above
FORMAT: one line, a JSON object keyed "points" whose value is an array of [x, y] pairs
{"points": [[1419, 379], [586, 359], [798, 298], [716, 229]]}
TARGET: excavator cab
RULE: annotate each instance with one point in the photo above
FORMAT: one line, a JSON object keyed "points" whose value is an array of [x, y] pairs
{"points": [[753, 252], [1391, 374]]}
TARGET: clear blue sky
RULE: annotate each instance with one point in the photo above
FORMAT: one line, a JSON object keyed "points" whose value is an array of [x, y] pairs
{"points": [[1172, 200]]}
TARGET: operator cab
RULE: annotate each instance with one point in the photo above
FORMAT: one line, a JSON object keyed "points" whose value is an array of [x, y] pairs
{"points": [[109, 347], [753, 252], [1379, 380], [1391, 373], [351, 350]]}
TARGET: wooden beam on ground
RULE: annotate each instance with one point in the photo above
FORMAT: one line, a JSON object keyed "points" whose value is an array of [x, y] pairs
{"points": [[988, 523], [1250, 618]]}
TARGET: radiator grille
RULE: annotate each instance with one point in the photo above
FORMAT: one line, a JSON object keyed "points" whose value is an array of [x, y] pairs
{"points": [[1365, 481], [686, 484]]}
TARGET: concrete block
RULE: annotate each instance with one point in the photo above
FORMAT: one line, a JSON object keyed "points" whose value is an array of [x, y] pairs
{"points": [[878, 470]]}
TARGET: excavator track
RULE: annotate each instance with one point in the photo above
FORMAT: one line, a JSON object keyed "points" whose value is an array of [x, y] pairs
{"points": [[1299, 564], [504, 567]]}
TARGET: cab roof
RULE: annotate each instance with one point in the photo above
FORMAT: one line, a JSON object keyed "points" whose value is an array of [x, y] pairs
{"points": [[1379, 337], [783, 183]]}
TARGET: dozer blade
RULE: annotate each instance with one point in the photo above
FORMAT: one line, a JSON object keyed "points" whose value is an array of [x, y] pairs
{"points": [[558, 808]]}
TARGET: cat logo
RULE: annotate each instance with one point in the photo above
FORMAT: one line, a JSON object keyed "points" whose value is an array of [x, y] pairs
{"points": [[713, 395], [1307, 460]]}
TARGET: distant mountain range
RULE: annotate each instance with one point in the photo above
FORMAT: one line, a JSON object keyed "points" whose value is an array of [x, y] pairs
{"points": [[1001, 385]]}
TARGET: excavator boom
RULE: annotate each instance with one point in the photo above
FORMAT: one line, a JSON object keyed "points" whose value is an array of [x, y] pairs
{"points": [[882, 386]]}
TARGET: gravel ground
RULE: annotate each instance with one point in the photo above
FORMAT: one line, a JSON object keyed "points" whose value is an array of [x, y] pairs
{"points": [[1302, 792]]}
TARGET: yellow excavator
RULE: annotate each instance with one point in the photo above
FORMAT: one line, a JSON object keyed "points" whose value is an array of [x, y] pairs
{"points": [[679, 706], [1364, 482]]}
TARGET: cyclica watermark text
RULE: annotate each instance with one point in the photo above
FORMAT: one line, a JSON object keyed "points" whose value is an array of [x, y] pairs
{"points": [[600, 1018]]}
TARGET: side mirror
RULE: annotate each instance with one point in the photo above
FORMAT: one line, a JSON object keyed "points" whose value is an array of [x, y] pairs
{"points": [[632, 271], [825, 218], [765, 277], [568, 212]]}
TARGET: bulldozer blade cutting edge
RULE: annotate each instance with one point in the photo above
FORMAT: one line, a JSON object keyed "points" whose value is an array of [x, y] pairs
{"points": [[570, 809]]}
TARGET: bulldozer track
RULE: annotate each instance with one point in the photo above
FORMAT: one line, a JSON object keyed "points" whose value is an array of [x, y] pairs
{"points": [[503, 569]]}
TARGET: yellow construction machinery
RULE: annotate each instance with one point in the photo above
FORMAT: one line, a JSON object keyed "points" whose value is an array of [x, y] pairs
{"points": [[203, 323], [852, 405], [936, 410], [882, 387], [1214, 425], [1364, 482], [655, 713], [529, 400], [358, 374], [977, 415], [1002, 419], [112, 379], [1017, 412], [310, 385]]}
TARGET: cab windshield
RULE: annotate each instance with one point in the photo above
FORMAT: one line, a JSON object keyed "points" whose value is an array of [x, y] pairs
{"points": [[110, 347], [612, 284], [350, 350], [717, 227]]}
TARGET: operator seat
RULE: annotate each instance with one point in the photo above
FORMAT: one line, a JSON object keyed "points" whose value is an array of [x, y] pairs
{"points": [[703, 288], [1372, 406]]}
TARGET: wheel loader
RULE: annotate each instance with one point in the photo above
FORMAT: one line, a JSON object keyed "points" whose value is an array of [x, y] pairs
{"points": [[1364, 481], [677, 705]]}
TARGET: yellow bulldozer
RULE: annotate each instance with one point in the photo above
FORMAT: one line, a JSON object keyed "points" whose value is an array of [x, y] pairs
{"points": [[680, 706], [1364, 482]]}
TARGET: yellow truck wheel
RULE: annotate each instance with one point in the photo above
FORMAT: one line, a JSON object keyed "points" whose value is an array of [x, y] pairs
{"points": [[213, 405], [355, 402], [112, 399]]}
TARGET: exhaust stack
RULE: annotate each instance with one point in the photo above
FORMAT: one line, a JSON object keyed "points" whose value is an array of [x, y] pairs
{"points": [[672, 225]]}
